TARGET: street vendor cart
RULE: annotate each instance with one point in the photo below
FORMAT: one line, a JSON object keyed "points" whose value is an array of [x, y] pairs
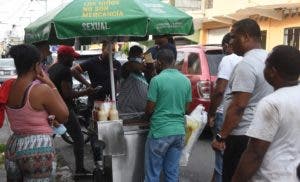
{"points": [[92, 21], [123, 155]]}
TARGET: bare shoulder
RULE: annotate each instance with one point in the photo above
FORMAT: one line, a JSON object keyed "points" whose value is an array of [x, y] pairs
{"points": [[41, 90], [39, 95]]}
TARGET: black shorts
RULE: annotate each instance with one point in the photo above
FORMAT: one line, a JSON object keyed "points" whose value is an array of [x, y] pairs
{"points": [[235, 146]]}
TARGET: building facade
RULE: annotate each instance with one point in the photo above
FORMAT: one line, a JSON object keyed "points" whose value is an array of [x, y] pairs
{"points": [[279, 20]]}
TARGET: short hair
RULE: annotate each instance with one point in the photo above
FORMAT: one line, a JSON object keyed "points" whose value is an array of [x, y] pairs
{"points": [[248, 26], [135, 51], [286, 60], [104, 44], [226, 39], [25, 56], [166, 56]]}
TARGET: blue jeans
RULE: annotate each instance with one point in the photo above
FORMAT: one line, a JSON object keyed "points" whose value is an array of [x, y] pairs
{"points": [[218, 154], [163, 154]]}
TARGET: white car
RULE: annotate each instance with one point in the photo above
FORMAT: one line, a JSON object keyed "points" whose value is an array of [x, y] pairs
{"points": [[7, 69]]}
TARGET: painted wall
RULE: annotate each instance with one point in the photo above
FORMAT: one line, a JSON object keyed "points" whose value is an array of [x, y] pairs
{"points": [[275, 29]]}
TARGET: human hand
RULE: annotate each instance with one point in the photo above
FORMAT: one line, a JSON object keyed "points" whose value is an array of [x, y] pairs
{"points": [[218, 145], [52, 121], [90, 90], [44, 78]]}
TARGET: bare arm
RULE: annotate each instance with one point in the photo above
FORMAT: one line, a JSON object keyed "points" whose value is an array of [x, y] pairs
{"points": [[54, 104], [77, 74], [149, 109], [217, 98], [235, 112], [251, 160], [51, 99], [187, 106]]}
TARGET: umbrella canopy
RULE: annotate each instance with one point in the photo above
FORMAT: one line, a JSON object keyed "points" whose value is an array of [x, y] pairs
{"points": [[91, 19]]}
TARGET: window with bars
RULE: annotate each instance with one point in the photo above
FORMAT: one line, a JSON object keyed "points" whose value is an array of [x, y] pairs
{"points": [[292, 36]]}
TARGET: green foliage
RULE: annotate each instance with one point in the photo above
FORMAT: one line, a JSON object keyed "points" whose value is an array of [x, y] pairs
{"points": [[2, 148], [125, 48]]}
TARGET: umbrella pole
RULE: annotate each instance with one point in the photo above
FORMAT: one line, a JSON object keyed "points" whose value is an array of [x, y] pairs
{"points": [[111, 69]]}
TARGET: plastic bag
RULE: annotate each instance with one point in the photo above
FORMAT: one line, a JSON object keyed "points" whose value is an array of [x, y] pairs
{"points": [[194, 125]]}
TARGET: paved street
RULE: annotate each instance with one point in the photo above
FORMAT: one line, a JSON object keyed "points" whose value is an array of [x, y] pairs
{"points": [[199, 169]]}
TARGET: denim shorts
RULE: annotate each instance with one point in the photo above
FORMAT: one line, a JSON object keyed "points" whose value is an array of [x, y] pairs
{"points": [[163, 154]]}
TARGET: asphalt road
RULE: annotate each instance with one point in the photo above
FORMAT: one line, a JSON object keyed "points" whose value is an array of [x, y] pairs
{"points": [[199, 169]]}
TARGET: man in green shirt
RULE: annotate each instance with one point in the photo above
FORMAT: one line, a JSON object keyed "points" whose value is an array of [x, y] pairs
{"points": [[168, 98]]}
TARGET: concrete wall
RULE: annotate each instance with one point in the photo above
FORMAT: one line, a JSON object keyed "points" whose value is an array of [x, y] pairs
{"points": [[275, 29]]}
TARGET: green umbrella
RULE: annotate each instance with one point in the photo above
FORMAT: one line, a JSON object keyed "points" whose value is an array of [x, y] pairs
{"points": [[90, 19], [114, 20]]}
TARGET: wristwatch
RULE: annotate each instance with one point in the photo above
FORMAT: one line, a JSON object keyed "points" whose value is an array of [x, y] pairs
{"points": [[219, 138]]}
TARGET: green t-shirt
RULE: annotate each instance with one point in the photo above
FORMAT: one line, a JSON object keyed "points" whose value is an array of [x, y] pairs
{"points": [[171, 91]]}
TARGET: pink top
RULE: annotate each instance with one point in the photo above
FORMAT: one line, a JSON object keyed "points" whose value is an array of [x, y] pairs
{"points": [[27, 120]]}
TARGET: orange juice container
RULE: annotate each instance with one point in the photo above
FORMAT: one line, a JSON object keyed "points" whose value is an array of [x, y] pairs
{"points": [[113, 113], [102, 115]]}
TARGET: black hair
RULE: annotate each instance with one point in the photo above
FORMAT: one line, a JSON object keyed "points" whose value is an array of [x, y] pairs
{"points": [[286, 60], [248, 26], [171, 40], [135, 51], [41, 44], [226, 39], [104, 44], [25, 57], [166, 56]]}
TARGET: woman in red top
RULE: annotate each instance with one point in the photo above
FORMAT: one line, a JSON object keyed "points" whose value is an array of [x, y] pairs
{"points": [[30, 154]]}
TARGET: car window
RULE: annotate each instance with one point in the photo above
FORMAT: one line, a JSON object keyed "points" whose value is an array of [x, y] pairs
{"points": [[194, 67], [179, 60], [214, 58]]}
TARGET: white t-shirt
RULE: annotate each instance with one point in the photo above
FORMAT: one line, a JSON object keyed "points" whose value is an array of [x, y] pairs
{"points": [[277, 120], [225, 69]]}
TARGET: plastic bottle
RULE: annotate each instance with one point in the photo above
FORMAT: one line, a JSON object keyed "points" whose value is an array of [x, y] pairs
{"points": [[102, 115], [113, 113]]}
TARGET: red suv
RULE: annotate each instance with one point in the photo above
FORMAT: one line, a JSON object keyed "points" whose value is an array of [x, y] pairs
{"points": [[200, 65]]}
